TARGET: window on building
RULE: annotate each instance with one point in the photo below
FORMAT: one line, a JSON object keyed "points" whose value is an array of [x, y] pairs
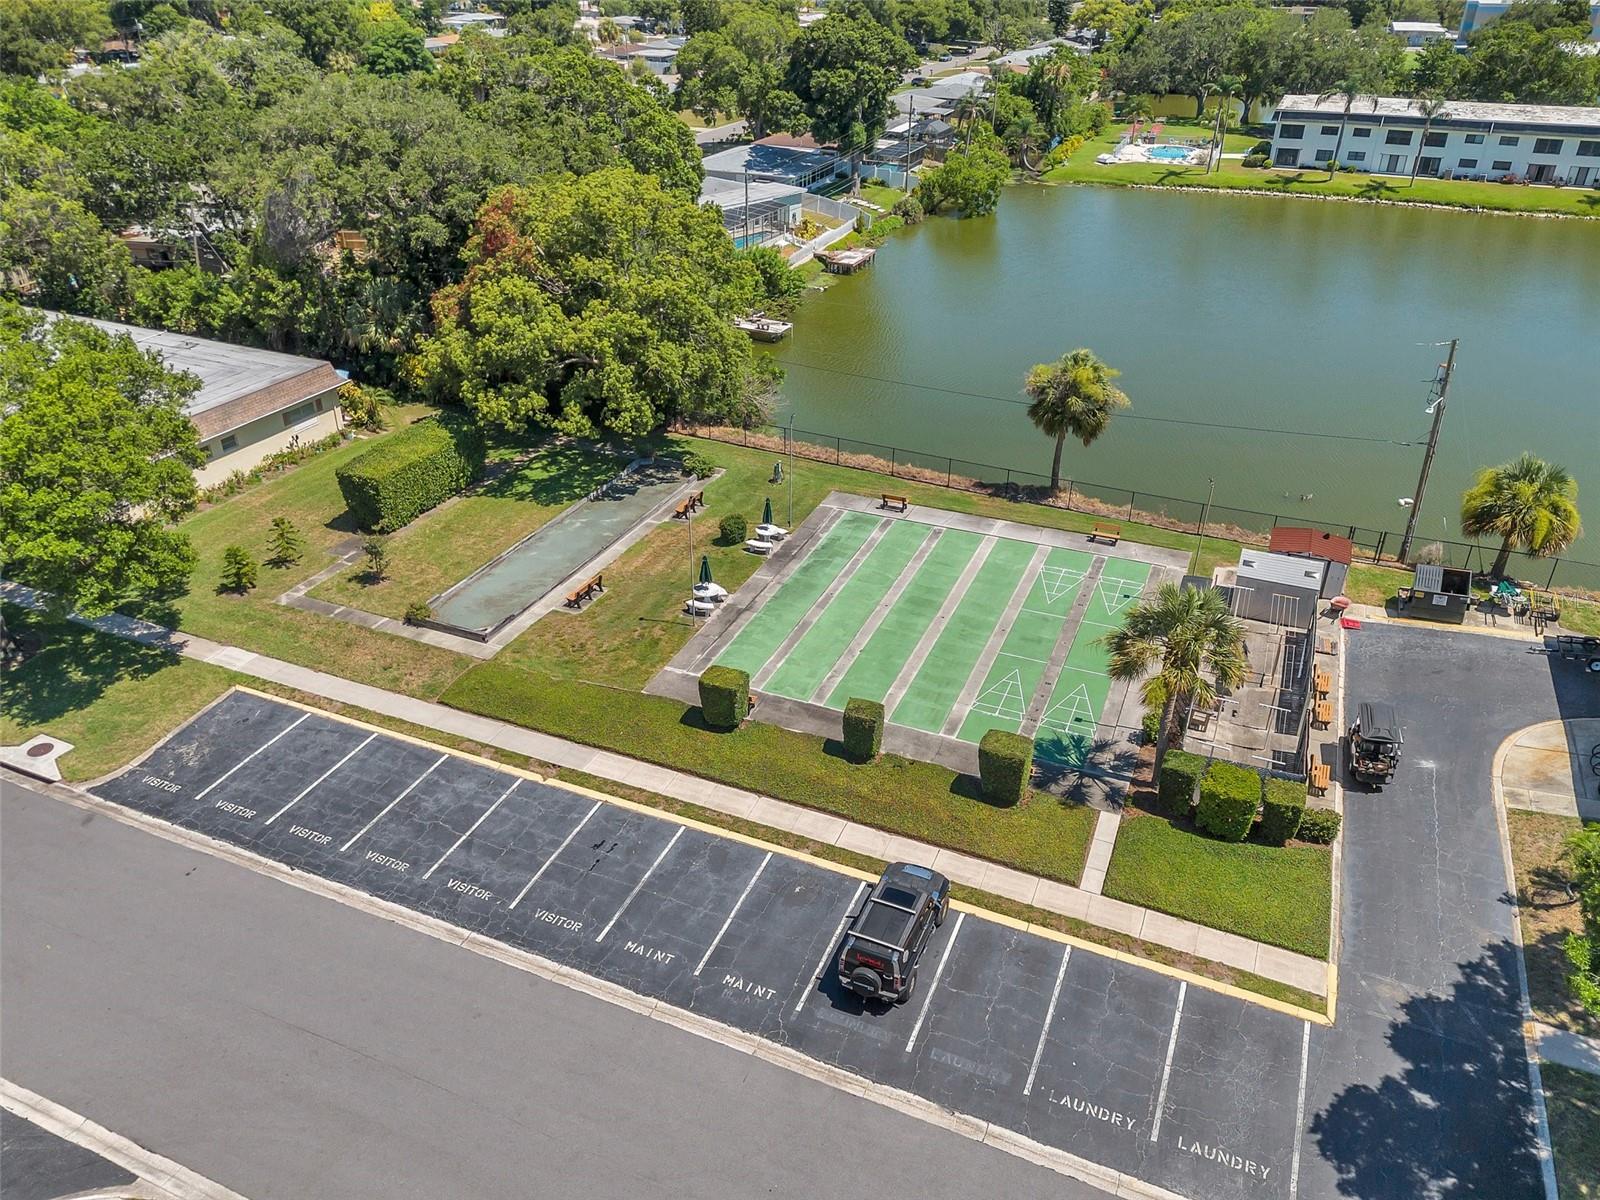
{"points": [[299, 413], [1330, 130], [1501, 164], [1589, 149], [1434, 139], [1291, 133], [1508, 141], [1397, 137], [229, 443], [1467, 164], [1324, 156], [1474, 139], [1357, 156], [1547, 145], [1361, 133], [1427, 166]]}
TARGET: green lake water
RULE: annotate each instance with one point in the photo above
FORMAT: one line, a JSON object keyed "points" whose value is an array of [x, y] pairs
{"points": [[1246, 311]]}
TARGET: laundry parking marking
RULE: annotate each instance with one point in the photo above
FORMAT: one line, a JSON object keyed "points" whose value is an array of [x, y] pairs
{"points": [[1300, 1111], [1166, 1071], [1049, 1019]]}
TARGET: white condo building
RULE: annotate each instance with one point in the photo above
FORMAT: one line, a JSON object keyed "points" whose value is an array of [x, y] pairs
{"points": [[1540, 143]]}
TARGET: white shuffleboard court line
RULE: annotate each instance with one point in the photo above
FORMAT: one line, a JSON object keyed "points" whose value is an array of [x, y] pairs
{"points": [[206, 791], [472, 829], [639, 887], [717, 941], [938, 974], [1166, 1070], [307, 790], [554, 854], [1049, 1019], [415, 783], [822, 963]]}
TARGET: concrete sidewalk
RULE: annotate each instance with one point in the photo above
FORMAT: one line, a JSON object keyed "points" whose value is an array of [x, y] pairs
{"points": [[1283, 966]]}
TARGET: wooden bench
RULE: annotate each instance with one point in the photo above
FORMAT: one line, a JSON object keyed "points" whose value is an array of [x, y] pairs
{"points": [[1321, 681], [899, 502], [587, 591], [1321, 777], [698, 500], [684, 509], [1322, 715], [1106, 532]]}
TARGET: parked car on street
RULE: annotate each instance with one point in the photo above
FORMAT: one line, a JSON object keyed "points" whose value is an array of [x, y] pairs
{"points": [[883, 944], [1375, 742]]}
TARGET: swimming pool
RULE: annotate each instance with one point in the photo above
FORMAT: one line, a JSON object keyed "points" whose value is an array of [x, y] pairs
{"points": [[1169, 153]]}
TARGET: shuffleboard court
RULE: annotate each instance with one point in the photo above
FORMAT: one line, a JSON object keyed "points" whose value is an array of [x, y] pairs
{"points": [[759, 640], [1007, 691]]}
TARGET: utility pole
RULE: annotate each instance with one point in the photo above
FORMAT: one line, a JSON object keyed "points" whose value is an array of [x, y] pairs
{"points": [[911, 126], [788, 450], [746, 244], [1205, 513], [1427, 456]]}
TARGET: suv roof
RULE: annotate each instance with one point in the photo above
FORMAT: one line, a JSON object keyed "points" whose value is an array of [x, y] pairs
{"points": [[892, 907], [1378, 721]]}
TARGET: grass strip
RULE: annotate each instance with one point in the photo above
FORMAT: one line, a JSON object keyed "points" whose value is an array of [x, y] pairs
{"points": [[1572, 1101], [1281, 895], [1548, 912]]}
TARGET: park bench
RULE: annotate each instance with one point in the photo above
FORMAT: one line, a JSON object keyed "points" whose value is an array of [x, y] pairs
{"points": [[1322, 715], [587, 591], [1321, 681], [758, 546], [1104, 531], [1321, 777], [690, 503], [897, 502]]}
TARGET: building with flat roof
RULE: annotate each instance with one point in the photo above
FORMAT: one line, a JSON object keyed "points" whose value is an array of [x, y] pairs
{"points": [[1418, 34], [251, 403], [780, 158], [757, 213], [1389, 135]]}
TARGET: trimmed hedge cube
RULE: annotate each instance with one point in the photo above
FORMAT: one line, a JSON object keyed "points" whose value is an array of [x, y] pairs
{"points": [[1320, 825], [863, 729], [1229, 794], [1180, 776], [1005, 766], [724, 697], [410, 472], [1283, 803]]}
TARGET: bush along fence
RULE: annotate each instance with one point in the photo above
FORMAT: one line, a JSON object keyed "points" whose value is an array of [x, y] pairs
{"points": [[1146, 508]]}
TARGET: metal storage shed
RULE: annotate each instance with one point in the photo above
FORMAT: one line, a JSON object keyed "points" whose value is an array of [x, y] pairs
{"points": [[1281, 589]]}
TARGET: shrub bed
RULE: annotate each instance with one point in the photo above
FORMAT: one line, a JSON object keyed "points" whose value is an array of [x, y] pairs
{"points": [[1005, 766], [725, 697], [410, 472], [1229, 795], [1180, 775], [863, 729], [1283, 804], [1319, 825]]}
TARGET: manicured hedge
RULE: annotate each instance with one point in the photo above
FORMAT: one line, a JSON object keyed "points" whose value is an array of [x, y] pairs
{"points": [[1005, 765], [863, 729], [1320, 825], [1229, 794], [725, 697], [1180, 775], [410, 472], [1283, 803]]}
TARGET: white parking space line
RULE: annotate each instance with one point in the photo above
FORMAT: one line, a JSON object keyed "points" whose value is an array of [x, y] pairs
{"points": [[205, 791], [731, 913], [307, 791], [927, 1000], [1049, 1019], [1166, 1071], [544, 866], [1300, 1113], [822, 963], [639, 887], [392, 803], [472, 830]]}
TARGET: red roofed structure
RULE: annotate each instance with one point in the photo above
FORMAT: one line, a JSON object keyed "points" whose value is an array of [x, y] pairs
{"points": [[1296, 539]]}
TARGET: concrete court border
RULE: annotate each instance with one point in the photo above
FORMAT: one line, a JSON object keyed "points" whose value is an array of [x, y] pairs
{"points": [[678, 680]]}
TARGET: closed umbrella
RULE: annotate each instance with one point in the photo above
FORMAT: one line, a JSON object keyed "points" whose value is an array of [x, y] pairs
{"points": [[766, 513], [705, 569]]}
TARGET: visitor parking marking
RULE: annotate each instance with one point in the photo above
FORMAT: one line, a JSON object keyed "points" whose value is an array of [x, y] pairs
{"points": [[345, 849], [310, 787], [487, 813], [567, 841], [270, 742]]}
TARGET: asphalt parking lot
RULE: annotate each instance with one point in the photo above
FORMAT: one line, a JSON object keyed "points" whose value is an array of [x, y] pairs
{"points": [[36, 1164], [1177, 1084]]}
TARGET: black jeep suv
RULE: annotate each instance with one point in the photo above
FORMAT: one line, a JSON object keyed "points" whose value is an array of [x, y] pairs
{"points": [[887, 937]]}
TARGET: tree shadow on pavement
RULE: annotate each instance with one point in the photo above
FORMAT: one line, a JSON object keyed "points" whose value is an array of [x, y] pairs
{"points": [[1457, 1121]]}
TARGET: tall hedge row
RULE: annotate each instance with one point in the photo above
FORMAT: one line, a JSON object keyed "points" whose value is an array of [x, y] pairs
{"points": [[1005, 766], [1180, 776], [410, 472], [724, 697], [1283, 804], [1229, 795], [863, 729]]}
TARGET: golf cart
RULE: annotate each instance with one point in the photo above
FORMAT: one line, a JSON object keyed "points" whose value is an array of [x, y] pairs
{"points": [[1375, 742]]}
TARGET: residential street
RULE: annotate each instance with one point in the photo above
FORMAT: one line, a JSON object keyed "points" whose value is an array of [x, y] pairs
{"points": [[287, 1046]]}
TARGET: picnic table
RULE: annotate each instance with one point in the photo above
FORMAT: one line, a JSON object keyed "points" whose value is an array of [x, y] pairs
{"points": [[771, 533], [714, 592]]}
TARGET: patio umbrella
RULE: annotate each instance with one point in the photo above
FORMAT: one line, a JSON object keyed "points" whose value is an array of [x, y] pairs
{"points": [[705, 569], [766, 513]]}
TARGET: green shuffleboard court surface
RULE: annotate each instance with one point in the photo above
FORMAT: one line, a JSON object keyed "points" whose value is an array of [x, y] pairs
{"points": [[1067, 730]]}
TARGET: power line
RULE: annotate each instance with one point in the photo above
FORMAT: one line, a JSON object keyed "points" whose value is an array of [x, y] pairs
{"points": [[1126, 416]]}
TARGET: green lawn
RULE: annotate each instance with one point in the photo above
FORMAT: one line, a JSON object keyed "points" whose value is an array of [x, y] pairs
{"points": [[1573, 1102], [1281, 895], [920, 800], [112, 699], [1082, 168], [443, 547], [881, 194]]}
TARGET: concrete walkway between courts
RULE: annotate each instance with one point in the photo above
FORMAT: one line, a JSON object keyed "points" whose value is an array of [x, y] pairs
{"points": [[1283, 966]]}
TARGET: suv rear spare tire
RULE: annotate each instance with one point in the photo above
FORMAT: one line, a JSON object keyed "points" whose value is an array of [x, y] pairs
{"points": [[866, 981]]}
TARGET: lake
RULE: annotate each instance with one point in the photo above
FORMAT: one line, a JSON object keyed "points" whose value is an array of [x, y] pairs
{"points": [[1297, 315]]}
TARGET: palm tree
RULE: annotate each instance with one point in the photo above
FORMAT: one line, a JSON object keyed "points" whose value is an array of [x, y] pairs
{"points": [[1527, 503], [1351, 90], [1430, 105], [608, 31], [1187, 643], [1226, 90], [1072, 395]]}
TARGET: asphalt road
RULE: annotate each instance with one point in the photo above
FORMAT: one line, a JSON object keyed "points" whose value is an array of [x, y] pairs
{"points": [[288, 1046], [1421, 1088]]}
